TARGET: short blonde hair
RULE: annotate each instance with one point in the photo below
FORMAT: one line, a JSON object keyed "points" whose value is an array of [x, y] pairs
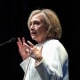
{"points": [[51, 20]]}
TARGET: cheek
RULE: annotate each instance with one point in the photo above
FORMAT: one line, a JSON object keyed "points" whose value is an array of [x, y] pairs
{"points": [[41, 30]]}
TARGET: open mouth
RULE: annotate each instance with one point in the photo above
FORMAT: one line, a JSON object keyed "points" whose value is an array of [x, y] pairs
{"points": [[33, 33]]}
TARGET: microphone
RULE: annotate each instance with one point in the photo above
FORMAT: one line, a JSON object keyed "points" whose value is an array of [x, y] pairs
{"points": [[9, 41]]}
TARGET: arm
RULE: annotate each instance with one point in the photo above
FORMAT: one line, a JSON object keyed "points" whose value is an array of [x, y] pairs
{"points": [[50, 67], [24, 64], [23, 51]]}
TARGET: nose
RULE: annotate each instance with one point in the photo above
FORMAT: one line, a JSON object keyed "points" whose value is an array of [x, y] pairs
{"points": [[31, 27]]}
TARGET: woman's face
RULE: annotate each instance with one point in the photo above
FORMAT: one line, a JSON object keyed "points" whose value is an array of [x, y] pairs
{"points": [[38, 29]]}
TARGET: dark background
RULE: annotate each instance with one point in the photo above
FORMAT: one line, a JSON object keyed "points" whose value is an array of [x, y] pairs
{"points": [[13, 20]]}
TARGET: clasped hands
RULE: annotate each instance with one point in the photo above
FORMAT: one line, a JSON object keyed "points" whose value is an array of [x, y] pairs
{"points": [[28, 49]]}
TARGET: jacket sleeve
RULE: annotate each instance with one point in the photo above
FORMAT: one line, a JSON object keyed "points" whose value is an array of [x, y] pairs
{"points": [[24, 64], [50, 67]]}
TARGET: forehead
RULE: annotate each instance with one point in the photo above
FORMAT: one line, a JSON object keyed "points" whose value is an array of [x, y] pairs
{"points": [[38, 17]]}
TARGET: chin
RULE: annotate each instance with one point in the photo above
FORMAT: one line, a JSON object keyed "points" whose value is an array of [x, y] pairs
{"points": [[34, 38]]}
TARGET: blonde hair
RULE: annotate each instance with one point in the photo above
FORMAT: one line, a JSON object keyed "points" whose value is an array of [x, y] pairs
{"points": [[51, 20]]}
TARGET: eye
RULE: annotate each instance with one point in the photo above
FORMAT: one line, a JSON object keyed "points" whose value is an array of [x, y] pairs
{"points": [[30, 24], [36, 23]]}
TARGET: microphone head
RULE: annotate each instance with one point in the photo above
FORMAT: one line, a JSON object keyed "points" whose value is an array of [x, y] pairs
{"points": [[9, 41], [12, 40]]}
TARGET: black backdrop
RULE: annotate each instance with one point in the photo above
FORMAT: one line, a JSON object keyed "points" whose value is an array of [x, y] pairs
{"points": [[13, 20]]}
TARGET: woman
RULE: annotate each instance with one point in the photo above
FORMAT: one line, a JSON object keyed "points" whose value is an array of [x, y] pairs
{"points": [[47, 60]]}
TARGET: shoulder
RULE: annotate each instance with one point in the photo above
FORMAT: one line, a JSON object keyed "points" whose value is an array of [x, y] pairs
{"points": [[53, 42], [55, 46], [52, 45]]}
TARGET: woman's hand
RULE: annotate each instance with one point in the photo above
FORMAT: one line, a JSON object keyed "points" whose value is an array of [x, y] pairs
{"points": [[22, 48], [33, 51]]}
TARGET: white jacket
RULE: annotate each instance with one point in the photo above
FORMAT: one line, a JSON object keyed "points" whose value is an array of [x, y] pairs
{"points": [[54, 65]]}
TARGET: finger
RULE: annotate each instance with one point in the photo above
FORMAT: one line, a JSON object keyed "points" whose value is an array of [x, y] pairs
{"points": [[19, 42], [27, 45], [29, 52], [41, 49], [30, 43], [23, 40]]}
